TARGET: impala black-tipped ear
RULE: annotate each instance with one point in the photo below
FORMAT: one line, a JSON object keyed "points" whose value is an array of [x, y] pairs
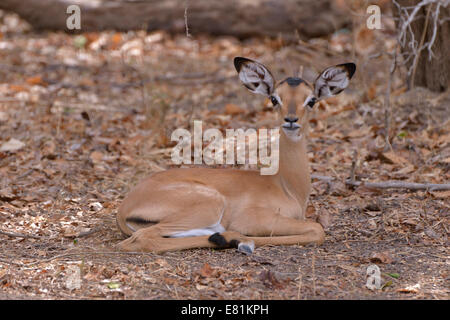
{"points": [[333, 80], [255, 76], [350, 67], [238, 62]]}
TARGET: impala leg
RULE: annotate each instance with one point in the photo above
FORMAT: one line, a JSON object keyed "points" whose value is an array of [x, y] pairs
{"points": [[286, 240], [185, 230], [181, 224], [276, 229], [151, 240]]}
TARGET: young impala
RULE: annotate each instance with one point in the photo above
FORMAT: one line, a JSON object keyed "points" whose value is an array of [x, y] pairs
{"points": [[222, 208]]}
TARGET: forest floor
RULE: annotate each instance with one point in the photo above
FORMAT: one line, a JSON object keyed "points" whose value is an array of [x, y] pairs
{"points": [[84, 118]]}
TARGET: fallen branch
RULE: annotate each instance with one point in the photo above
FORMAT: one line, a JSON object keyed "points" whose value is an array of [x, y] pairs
{"points": [[323, 178], [88, 233], [19, 235], [390, 184], [242, 19], [393, 184]]}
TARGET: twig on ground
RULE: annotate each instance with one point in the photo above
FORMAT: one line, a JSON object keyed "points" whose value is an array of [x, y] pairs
{"points": [[393, 184], [11, 262], [19, 235], [87, 233], [389, 184], [323, 178]]}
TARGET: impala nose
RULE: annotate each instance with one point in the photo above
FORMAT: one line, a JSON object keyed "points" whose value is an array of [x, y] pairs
{"points": [[291, 120], [290, 123]]}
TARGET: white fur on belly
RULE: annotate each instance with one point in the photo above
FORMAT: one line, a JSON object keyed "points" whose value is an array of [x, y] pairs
{"points": [[199, 232]]}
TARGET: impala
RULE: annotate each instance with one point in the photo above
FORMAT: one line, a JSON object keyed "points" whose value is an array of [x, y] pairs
{"points": [[230, 208]]}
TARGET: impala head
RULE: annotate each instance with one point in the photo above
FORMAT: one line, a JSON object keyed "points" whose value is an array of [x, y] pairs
{"points": [[293, 97]]}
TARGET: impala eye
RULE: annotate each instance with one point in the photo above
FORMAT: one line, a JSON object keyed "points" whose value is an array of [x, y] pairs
{"points": [[311, 102], [274, 100]]}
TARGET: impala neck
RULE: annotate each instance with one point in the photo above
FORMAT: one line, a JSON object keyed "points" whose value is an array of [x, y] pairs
{"points": [[293, 172]]}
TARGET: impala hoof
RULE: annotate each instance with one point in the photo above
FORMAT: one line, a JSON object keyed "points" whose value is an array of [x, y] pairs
{"points": [[246, 247]]}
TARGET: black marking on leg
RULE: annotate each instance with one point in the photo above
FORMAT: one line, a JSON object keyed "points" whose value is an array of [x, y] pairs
{"points": [[140, 220], [222, 243], [234, 243], [219, 240]]}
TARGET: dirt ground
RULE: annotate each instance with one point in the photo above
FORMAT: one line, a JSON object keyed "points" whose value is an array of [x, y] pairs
{"points": [[84, 118]]}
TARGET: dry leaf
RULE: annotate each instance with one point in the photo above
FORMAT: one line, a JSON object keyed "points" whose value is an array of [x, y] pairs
{"points": [[207, 271], [49, 150], [169, 280], [12, 145], [269, 280], [95, 206], [3, 116], [372, 225], [162, 263], [381, 257], [200, 287], [410, 221], [441, 194], [6, 194], [17, 88], [70, 232], [310, 212], [96, 156], [432, 234], [406, 170], [410, 289], [232, 109], [395, 158], [37, 80], [324, 219]]}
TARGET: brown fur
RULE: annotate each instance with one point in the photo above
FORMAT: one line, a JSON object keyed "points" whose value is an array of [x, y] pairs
{"points": [[263, 209]]}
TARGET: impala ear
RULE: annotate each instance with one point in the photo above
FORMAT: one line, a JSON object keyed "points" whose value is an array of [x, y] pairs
{"points": [[333, 80], [255, 76]]}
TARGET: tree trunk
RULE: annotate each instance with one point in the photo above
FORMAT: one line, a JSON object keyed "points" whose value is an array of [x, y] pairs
{"points": [[433, 74], [240, 18]]}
